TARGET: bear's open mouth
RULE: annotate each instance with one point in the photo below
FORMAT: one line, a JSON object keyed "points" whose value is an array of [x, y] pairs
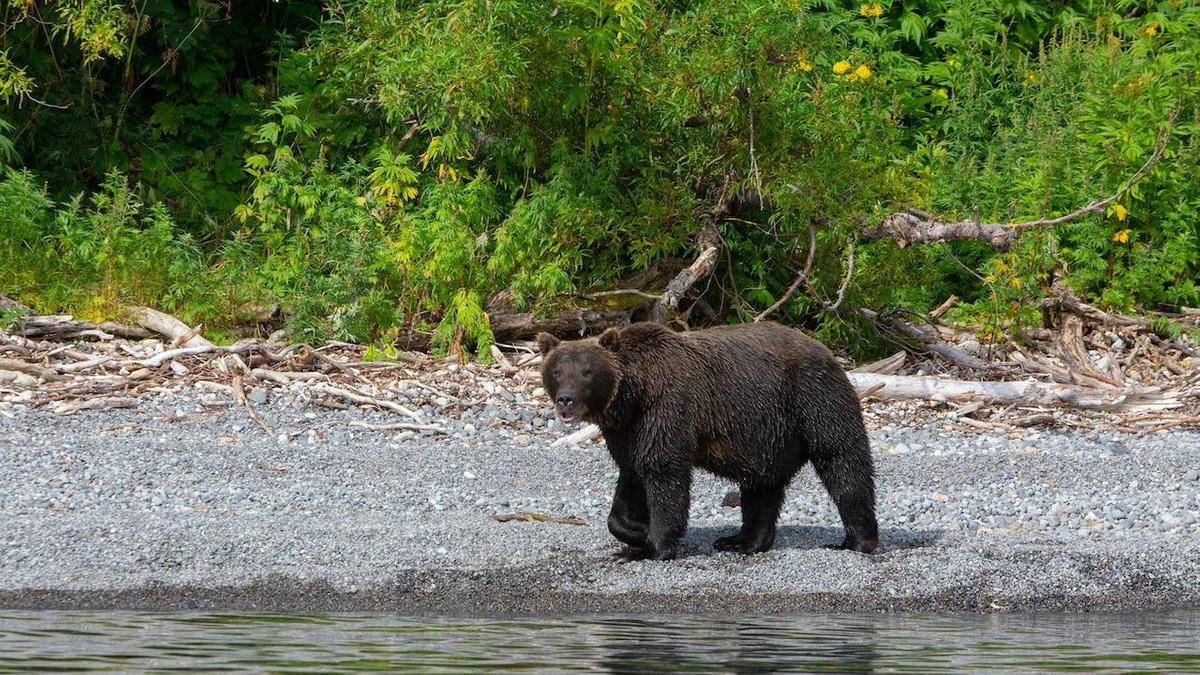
{"points": [[568, 417]]}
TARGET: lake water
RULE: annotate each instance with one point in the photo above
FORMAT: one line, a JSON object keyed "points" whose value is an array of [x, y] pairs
{"points": [[132, 641]]}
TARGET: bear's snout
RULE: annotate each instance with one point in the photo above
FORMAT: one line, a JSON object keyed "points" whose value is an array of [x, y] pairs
{"points": [[565, 403]]}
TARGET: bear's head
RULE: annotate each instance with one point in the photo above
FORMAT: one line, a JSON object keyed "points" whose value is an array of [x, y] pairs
{"points": [[580, 376]]}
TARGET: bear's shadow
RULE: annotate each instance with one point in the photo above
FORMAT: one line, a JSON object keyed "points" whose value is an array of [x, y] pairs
{"points": [[698, 540]]}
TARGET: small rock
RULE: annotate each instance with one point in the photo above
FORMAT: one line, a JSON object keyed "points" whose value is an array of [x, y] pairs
{"points": [[469, 429], [468, 475], [257, 396]]}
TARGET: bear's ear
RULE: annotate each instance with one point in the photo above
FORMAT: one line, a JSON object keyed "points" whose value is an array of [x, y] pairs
{"points": [[610, 339], [546, 343]]}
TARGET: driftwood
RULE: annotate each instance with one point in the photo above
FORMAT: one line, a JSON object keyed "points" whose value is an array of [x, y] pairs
{"points": [[921, 227], [885, 366], [363, 399], [165, 324], [395, 426], [507, 326], [1028, 392], [579, 436], [531, 517], [66, 327], [32, 369], [928, 339]]}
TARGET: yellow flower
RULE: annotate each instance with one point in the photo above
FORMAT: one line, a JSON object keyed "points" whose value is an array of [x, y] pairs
{"points": [[941, 91], [872, 10], [1121, 236], [802, 63], [1120, 211], [1031, 76], [1151, 29], [861, 73], [841, 67], [991, 278]]}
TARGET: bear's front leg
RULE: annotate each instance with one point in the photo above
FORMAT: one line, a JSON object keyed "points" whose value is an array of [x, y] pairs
{"points": [[628, 519], [668, 496]]}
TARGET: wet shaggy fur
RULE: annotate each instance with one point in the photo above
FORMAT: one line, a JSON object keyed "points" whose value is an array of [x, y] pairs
{"points": [[751, 403]]}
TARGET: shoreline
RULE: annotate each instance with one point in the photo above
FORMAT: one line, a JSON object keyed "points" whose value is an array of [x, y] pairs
{"points": [[174, 506]]}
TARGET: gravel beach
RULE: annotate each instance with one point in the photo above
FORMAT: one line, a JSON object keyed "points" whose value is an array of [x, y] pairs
{"points": [[176, 504]]}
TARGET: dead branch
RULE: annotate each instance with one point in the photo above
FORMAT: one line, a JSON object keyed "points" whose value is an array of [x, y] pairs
{"points": [[802, 277], [285, 378], [710, 243], [95, 404], [944, 307], [529, 517], [930, 342], [408, 426], [919, 227], [621, 291], [1074, 352], [363, 399], [805, 277], [568, 322]]}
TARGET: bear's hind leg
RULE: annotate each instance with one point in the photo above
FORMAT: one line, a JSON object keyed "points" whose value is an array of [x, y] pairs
{"points": [[628, 520], [847, 472], [760, 510]]}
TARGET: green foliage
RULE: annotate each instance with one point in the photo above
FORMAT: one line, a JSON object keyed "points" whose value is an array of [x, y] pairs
{"points": [[95, 255], [379, 167]]}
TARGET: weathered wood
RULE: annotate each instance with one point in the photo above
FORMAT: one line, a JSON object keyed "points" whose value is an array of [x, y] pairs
{"points": [[167, 325], [66, 327], [47, 374], [928, 340], [1074, 352], [885, 366], [508, 326], [1028, 392], [710, 243]]}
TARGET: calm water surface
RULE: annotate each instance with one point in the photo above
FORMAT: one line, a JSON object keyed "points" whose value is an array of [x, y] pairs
{"points": [[129, 641]]}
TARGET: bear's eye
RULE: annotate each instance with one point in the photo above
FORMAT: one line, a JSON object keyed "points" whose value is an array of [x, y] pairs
{"points": [[587, 372]]}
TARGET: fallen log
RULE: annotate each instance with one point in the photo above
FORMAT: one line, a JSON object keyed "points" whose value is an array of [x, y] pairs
{"points": [[508, 326], [165, 324], [60, 327], [1027, 392]]}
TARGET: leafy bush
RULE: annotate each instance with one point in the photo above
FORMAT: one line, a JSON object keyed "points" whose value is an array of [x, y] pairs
{"points": [[392, 166]]}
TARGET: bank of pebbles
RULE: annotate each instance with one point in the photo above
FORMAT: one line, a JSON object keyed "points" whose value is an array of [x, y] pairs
{"points": [[186, 502]]}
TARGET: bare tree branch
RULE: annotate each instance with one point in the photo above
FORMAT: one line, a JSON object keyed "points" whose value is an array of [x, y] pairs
{"points": [[920, 227], [804, 277]]}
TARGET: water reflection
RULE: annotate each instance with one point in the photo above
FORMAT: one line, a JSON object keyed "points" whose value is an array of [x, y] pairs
{"points": [[82, 641]]}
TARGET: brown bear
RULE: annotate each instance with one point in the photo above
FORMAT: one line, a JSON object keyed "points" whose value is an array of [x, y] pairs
{"points": [[751, 403]]}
